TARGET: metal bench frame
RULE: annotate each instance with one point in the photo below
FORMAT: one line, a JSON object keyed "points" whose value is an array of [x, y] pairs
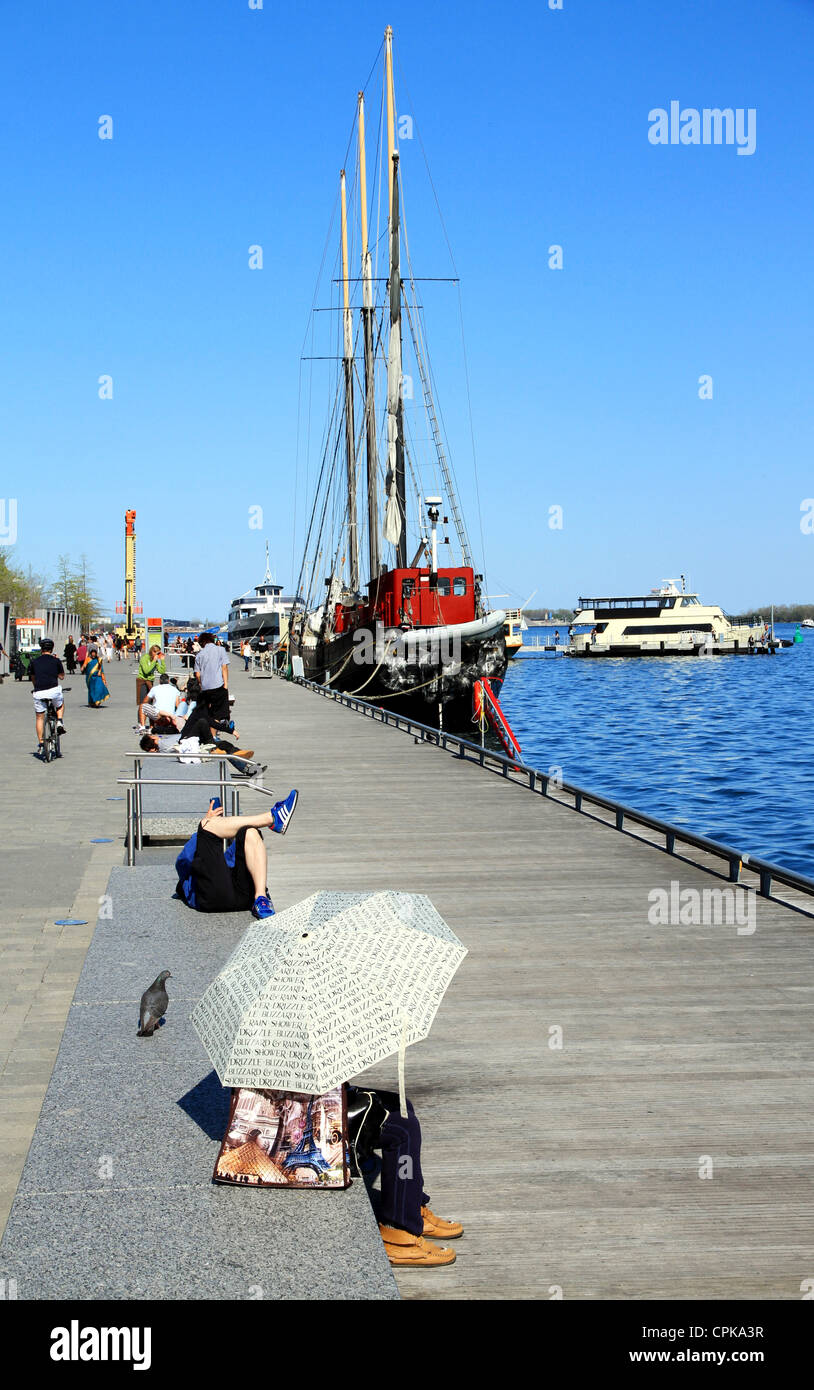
{"points": [[226, 781]]}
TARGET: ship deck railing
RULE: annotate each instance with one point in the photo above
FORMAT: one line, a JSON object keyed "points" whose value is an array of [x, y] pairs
{"points": [[747, 870]]}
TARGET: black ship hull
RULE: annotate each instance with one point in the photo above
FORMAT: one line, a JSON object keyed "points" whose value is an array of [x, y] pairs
{"points": [[433, 692]]}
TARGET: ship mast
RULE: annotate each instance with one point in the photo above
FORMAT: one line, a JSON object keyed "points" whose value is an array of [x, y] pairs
{"points": [[350, 445], [395, 526], [367, 326]]}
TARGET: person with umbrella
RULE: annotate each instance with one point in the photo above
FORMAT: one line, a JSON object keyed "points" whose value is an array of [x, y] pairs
{"points": [[401, 1206], [343, 981]]}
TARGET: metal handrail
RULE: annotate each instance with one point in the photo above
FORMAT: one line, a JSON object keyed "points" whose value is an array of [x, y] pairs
{"points": [[135, 809], [767, 872]]}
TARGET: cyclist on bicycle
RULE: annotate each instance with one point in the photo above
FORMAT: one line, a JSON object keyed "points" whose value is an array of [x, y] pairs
{"points": [[46, 671]]}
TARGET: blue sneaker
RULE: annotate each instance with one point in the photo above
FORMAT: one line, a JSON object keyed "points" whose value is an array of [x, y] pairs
{"points": [[263, 907], [282, 811]]}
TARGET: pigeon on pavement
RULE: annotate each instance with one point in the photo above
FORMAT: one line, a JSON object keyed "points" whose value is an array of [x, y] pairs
{"points": [[154, 1003]]}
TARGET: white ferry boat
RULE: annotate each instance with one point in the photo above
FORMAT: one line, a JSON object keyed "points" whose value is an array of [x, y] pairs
{"points": [[261, 612], [667, 621]]}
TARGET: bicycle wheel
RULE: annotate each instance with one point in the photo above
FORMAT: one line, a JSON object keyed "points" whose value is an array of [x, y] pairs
{"points": [[49, 737]]}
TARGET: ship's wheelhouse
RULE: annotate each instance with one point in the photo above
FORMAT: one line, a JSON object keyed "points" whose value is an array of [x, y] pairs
{"points": [[410, 598]]}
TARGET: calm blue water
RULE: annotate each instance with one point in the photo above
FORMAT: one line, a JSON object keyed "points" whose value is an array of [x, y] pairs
{"points": [[721, 745]]}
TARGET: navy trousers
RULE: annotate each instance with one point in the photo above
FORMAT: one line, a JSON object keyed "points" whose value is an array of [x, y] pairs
{"points": [[402, 1185]]}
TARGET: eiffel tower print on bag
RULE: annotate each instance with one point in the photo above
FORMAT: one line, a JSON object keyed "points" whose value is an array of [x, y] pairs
{"points": [[285, 1139]]}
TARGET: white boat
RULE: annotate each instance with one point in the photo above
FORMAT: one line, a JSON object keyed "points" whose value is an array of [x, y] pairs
{"points": [[667, 621], [261, 612], [807, 622]]}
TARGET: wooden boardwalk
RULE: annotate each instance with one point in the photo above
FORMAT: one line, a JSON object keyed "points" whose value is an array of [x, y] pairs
{"points": [[575, 1169], [685, 1049]]}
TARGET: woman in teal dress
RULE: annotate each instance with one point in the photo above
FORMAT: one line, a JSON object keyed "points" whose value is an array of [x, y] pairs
{"points": [[98, 693]]}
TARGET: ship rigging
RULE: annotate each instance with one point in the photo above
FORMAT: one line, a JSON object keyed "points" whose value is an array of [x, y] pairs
{"points": [[417, 635]]}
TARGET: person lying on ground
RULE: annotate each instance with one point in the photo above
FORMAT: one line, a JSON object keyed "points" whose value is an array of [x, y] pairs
{"points": [[222, 867], [401, 1206], [195, 738]]}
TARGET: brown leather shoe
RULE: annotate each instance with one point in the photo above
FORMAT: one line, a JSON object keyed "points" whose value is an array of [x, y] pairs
{"points": [[413, 1252], [438, 1228]]}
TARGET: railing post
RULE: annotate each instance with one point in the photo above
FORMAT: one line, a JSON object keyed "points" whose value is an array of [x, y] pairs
{"points": [[131, 829], [139, 808], [578, 801], [620, 818], [670, 842], [766, 883], [734, 870]]}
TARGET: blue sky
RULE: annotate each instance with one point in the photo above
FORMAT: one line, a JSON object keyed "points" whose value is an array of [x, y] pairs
{"points": [[129, 257]]}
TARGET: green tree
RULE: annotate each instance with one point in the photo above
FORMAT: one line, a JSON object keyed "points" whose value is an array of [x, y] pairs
{"points": [[73, 590], [86, 601], [25, 591], [63, 583]]}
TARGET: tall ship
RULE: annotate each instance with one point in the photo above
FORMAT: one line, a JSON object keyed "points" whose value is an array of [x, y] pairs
{"points": [[667, 621], [415, 634], [261, 612]]}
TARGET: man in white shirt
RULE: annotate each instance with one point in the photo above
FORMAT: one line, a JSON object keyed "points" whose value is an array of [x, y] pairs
{"points": [[161, 699]]}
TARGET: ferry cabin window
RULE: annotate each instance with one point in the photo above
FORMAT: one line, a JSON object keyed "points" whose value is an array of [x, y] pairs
{"points": [[661, 629], [443, 586], [459, 586]]}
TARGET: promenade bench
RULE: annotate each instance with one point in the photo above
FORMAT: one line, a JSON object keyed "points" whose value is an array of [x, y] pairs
{"points": [[116, 1199]]}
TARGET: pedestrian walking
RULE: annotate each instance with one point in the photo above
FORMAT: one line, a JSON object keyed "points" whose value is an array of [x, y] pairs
{"points": [[94, 673], [69, 655], [212, 670]]}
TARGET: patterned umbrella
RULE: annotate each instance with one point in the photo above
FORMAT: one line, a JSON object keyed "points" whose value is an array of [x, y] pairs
{"points": [[323, 990]]}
